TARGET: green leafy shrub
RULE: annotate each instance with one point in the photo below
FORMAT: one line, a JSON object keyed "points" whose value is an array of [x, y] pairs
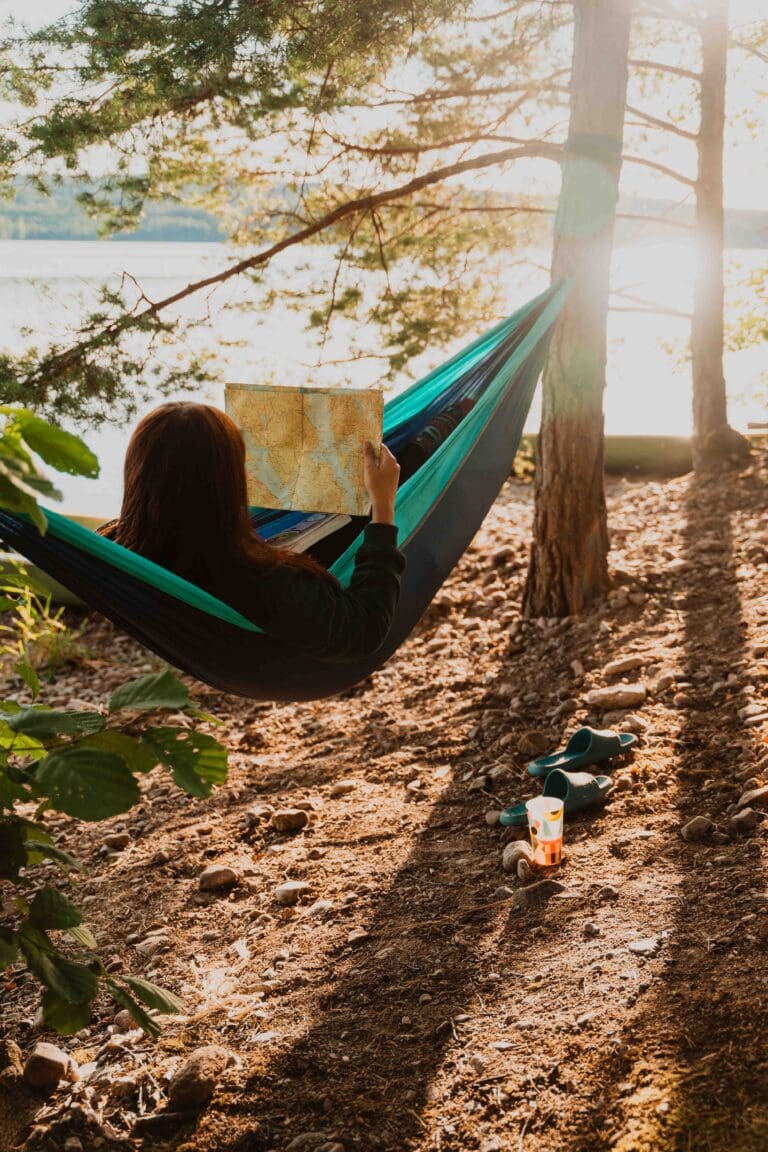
{"points": [[82, 763]]}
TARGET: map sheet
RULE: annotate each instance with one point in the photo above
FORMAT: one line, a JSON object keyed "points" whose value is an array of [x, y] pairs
{"points": [[305, 445]]}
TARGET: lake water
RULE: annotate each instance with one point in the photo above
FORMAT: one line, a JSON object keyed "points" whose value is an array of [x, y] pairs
{"points": [[45, 284]]}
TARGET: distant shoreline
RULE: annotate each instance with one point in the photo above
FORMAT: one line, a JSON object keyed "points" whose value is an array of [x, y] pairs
{"points": [[32, 216]]}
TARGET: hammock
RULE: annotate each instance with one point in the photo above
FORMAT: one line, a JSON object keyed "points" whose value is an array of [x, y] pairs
{"points": [[438, 511]]}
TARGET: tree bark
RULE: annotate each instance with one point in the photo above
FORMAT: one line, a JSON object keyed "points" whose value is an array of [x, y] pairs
{"points": [[712, 437], [569, 556]]}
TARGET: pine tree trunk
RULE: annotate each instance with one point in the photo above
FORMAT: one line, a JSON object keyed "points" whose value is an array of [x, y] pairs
{"points": [[712, 437], [569, 556]]}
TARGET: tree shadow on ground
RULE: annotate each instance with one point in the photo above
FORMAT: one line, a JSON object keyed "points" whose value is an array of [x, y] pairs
{"points": [[689, 1072], [364, 1068]]}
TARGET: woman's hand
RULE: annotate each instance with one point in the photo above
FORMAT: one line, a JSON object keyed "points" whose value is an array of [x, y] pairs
{"points": [[381, 477]]}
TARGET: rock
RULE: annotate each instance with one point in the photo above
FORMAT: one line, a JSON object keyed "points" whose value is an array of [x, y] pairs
{"points": [[682, 700], [258, 813], [750, 710], [492, 817], [536, 894], [291, 891], [744, 820], [503, 893], [623, 664], [757, 720], [479, 784], [117, 840], [663, 683], [634, 723], [618, 696], [647, 946], [46, 1065], [193, 1084], [216, 877], [343, 787], [589, 930], [517, 850], [578, 669], [306, 1140], [320, 906], [73, 1144], [358, 936], [754, 798], [533, 743], [124, 1022], [608, 893], [697, 829], [11, 1062], [289, 820]]}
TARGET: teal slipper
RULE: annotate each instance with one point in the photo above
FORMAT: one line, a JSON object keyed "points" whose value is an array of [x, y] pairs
{"points": [[586, 746], [577, 790]]}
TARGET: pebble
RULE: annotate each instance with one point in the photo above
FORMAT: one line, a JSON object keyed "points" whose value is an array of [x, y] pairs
{"points": [[291, 891], [536, 894], [514, 852], [479, 784], [217, 876], [289, 820], [358, 936], [306, 1140], [320, 906], [117, 840], [623, 664], [533, 743], [492, 817], [589, 930], [503, 893], [344, 787], [697, 829], [608, 893], [123, 1020], [617, 696], [752, 709], [46, 1065], [754, 798], [647, 946], [11, 1063], [744, 820], [193, 1084]]}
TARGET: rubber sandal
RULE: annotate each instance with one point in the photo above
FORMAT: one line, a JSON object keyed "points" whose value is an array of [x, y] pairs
{"points": [[586, 746], [577, 790]]}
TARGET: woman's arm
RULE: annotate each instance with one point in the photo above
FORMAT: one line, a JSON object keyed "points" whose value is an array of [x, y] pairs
{"points": [[314, 615]]}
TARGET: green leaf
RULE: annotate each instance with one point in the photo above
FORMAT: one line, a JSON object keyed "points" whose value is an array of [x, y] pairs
{"points": [[15, 500], [60, 449], [73, 982], [18, 742], [87, 783], [51, 909], [11, 790], [9, 948], [196, 760], [45, 723], [13, 851], [136, 755], [63, 1016], [39, 850], [125, 999], [153, 996], [158, 690], [84, 937], [27, 673]]}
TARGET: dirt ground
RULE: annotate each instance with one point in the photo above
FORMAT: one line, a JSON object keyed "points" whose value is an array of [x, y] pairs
{"points": [[406, 1002]]}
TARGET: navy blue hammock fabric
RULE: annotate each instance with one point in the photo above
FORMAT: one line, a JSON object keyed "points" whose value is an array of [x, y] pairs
{"points": [[439, 509]]}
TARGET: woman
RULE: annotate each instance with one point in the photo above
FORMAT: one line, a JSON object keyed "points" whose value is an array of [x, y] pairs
{"points": [[185, 506]]}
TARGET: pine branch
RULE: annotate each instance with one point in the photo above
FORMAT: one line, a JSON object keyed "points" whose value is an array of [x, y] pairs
{"points": [[672, 69], [65, 361]]}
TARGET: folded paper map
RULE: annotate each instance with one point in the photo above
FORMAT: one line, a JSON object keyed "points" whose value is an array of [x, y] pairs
{"points": [[305, 445]]}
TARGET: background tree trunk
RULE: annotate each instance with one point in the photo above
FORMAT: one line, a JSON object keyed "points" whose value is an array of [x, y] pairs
{"points": [[569, 557], [712, 437]]}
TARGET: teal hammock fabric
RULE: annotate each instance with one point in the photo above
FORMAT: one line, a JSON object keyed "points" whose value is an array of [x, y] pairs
{"points": [[438, 510]]}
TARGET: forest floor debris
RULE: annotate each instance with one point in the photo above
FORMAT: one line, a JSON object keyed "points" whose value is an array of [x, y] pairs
{"points": [[404, 999]]}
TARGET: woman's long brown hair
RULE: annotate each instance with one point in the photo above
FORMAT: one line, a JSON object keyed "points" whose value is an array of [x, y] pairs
{"points": [[185, 499]]}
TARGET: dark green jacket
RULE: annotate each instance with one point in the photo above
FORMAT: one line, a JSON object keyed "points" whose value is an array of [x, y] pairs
{"points": [[309, 613]]}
